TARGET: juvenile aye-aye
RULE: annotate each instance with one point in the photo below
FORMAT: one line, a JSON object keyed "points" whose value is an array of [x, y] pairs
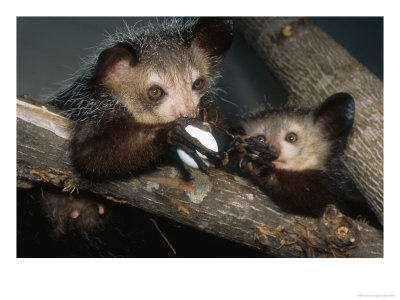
{"points": [[295, 155], [132, 102]]}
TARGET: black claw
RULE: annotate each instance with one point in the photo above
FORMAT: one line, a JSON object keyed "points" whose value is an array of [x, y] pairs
{"points": [[255, 153]]}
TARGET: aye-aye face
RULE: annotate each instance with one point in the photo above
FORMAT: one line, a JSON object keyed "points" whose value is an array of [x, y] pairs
{"points": [[161, 91], [298, 140], [162, 74], [305, 139]]}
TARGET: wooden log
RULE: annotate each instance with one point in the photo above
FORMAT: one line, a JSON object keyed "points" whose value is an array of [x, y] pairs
{"points": [[312, 66], [219, 203]]}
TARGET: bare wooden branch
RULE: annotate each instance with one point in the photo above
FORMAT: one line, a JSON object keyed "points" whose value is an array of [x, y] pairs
{"points": [[219, 203], [312, 66]]}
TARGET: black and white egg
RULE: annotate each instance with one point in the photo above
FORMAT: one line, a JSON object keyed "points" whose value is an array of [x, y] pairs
{"points": [[205, 138]]}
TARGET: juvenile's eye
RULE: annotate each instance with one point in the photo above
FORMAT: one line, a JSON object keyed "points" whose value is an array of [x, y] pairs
{"points": [[155, 93], [291, 137], [260, 138], [198, 84]]}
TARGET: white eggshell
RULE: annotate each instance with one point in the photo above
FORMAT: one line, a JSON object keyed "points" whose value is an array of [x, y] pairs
{"points": [[188, 160], [205, 138]]}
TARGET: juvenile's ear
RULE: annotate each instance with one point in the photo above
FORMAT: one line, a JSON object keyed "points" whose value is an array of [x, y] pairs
{"points": [[214, 35], [336, 115], [114, 61]]}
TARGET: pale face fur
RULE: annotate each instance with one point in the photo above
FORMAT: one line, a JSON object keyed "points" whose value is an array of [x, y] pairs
{"points": [[309, 151], [175, 75]]}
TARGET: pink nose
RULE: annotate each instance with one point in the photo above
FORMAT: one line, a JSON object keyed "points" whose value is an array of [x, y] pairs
{"points": [[186, 110]]}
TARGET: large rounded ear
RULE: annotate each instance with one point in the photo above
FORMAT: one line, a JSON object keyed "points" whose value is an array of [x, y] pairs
{"points": [[114, 61], [336, 115], [214, 35]]}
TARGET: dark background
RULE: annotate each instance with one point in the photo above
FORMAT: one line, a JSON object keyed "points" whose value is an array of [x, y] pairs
{"points": [[50, 50]]}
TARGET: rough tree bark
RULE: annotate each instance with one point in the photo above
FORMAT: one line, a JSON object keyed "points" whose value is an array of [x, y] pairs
{"points": [[312, 66], [222, 204]]}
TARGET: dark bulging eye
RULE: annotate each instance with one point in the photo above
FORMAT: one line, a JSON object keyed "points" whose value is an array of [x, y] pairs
{"points": [[198, 84], [155, 93], [291, 137], [261, 138]]}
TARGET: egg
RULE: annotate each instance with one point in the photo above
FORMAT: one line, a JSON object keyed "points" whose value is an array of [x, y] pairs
{"points": [[205, 138]]}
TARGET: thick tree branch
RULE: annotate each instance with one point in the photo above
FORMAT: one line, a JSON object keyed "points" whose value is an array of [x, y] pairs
{"points": [[312, 66], [219, 203]]}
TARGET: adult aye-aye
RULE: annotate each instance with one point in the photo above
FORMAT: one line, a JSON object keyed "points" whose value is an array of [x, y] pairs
{"points": [[132, 102]]}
